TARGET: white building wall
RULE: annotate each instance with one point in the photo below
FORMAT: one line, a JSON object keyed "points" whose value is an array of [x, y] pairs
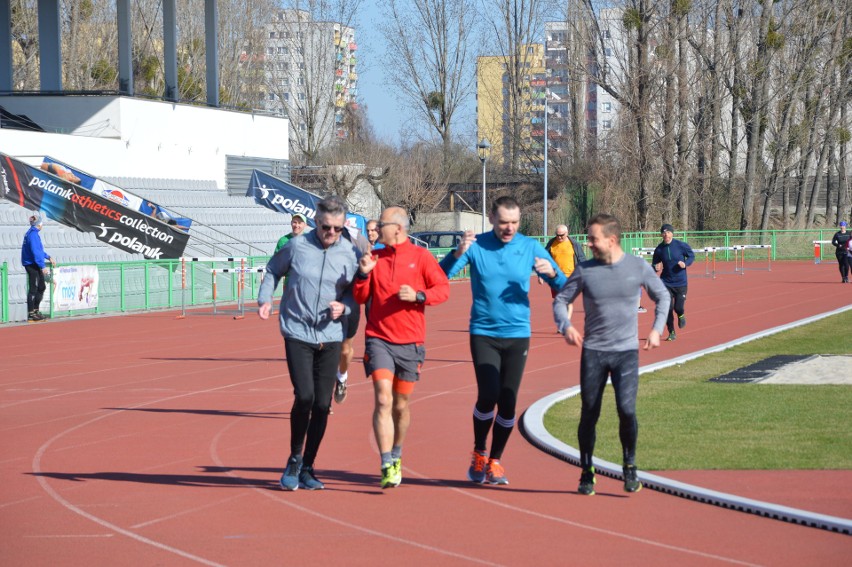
{"points": [[110, 136]]}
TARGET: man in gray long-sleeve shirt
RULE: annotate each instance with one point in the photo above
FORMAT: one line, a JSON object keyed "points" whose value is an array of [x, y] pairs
{"points": [[609, 284]]}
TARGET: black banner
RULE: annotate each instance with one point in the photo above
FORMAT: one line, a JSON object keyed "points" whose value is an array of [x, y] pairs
{"points": [[74, 206]]}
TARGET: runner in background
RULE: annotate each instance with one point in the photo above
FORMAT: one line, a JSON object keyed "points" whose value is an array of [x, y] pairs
{"points": [[350, 322], [567, 253], [840, 241], [672, 257], [298, 223]]}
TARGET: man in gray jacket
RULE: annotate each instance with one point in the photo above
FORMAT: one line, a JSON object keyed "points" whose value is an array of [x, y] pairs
{"points": [[609, 283], [320, 267]]}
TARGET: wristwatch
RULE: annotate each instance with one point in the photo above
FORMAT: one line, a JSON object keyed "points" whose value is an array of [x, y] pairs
{"points": [[420, 297]]}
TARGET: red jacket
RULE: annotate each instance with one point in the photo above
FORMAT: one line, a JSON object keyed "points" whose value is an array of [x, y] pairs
{"points": [[389, 318]]}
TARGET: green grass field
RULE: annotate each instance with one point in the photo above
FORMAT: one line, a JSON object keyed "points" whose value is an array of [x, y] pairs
{"points": [[686, 422]]}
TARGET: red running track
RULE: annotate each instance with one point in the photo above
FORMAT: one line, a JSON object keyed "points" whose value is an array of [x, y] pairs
{"points": [[146, 439]]}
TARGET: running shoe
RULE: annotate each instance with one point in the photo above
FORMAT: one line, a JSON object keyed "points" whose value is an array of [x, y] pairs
{"points": [[587, 482], [308, 480], [42, 316], [495, 474], [34, 317], [478, 465], [631, 479], [397, 471], [391, 475], [290, 478], [642, 309], [340, 392], [671, 337], [681, 321]]}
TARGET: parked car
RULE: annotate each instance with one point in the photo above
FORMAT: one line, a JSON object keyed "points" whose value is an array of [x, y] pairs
{"points": [[438, 239]]}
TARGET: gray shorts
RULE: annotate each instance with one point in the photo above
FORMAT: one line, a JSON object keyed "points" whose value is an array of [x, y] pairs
{"points": [[403, 360]]}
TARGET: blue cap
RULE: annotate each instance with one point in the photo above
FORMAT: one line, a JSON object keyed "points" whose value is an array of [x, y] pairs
{"points": [[843, 223]]}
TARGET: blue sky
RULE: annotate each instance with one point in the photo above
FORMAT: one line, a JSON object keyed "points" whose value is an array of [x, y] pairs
{"points": [[383, 110], [386, 114]]}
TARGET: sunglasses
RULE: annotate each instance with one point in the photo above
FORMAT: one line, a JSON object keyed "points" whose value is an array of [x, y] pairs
{"points": [[328, 227], [561, 235], [384, 224]]}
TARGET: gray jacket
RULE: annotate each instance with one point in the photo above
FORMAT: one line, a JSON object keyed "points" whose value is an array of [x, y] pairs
{"points": [[316, 276]]}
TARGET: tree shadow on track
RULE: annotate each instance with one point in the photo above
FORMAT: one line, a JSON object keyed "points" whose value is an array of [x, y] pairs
{"points": [[223, 413], [201, 481]]}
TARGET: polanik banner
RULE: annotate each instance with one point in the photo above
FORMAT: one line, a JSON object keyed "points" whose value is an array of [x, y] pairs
{"points": [[74, 206]]}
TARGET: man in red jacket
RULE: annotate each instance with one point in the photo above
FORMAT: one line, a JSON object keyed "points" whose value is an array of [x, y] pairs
{"points": [[399, 280]]}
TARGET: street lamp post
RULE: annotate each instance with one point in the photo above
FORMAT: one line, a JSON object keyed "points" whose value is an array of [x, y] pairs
{"points": [[483, 148], [545, 160]]}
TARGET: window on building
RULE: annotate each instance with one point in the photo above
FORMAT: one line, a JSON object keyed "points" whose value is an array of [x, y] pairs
{"points": [[606, 124], [301, 96], [605, 33], [606, 106], [286, 97], [283, 50], [271, 96], [272, 35], [608, 52], [270, 50], [302, 66]]}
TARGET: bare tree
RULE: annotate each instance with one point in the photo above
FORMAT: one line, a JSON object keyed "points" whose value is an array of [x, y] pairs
{"points": [[429, 42]]}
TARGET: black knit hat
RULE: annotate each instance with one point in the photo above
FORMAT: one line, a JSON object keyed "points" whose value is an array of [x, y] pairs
{"points": [[667, 228]]}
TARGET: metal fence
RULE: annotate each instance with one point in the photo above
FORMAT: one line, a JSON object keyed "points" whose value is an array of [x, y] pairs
{"points": [[142, 285]]}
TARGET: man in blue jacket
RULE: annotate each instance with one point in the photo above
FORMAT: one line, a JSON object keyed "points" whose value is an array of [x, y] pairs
{"points": [[673, 257], [501, 262], [33, 259]]}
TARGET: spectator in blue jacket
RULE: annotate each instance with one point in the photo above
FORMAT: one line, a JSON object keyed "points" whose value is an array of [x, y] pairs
{"points": [[34, 258], [673, 257]]}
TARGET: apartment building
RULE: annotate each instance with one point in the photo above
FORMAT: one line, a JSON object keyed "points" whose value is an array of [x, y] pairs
{"points": [[572, 83], [500, 117], [310, 77]]}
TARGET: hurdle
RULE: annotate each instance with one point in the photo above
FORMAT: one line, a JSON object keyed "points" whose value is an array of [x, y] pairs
{"points": [[234, 265], [711, 269], [742, 250], [818, 250]]}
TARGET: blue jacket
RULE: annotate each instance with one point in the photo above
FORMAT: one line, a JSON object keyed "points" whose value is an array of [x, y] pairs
{"points": [[32, 251], [500, 283], [315, 277], [669, 255]]}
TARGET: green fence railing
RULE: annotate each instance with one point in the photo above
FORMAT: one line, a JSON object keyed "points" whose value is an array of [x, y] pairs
{"points": [[141, 285]]}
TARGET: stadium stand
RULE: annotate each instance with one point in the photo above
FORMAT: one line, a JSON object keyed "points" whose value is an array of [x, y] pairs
{"points": [[223, 225]]}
